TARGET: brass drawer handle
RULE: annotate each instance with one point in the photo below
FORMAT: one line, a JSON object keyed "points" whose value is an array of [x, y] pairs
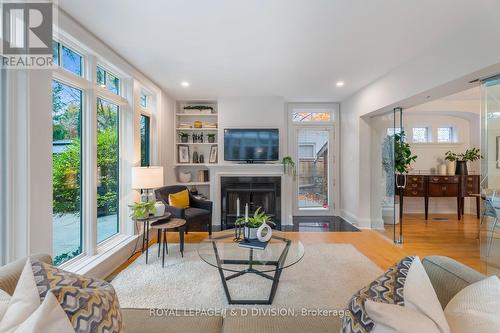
{"points": [[436, 179], [445, 178], [414, 192], [414, 185], [443, 188], [470, 179], [414, 179]]}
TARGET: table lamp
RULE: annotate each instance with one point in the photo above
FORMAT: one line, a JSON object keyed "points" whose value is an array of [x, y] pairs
{"points": [[147, 179]]}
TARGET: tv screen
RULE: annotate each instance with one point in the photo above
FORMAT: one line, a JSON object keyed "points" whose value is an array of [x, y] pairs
{"points": [[251, 145]]}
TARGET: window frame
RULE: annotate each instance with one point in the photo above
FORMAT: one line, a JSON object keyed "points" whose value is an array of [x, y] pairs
{"points": [[452, 134], [91, 91], [428, 135], [148, 139]]}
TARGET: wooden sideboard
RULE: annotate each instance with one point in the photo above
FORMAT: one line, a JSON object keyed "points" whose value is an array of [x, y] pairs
{"points": [[440, 186]]}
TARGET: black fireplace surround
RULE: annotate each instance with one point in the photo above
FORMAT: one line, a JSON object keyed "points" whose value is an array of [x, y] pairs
{"points": [[264, 192]]}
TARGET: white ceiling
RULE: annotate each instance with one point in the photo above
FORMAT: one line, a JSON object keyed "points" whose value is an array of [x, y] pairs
{"points": [[297, 49]]}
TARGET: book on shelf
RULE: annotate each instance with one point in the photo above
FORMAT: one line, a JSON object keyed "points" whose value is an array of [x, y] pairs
{"points": [[253, 244], [203, 176]]}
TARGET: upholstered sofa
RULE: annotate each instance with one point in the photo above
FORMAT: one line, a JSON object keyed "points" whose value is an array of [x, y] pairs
{"points": [[447, 276]]}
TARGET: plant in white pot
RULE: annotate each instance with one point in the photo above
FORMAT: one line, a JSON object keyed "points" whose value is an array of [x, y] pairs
{"points": [[251, 224]]}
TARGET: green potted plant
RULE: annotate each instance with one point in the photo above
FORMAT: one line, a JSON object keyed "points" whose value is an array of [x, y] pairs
{"points": [[289, 166], [472, 154], [184, 137], [253, 223], [211, 137], [141, 210]]}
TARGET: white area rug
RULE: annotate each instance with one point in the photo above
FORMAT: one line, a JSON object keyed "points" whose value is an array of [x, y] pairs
{"points": [[326, 278]]}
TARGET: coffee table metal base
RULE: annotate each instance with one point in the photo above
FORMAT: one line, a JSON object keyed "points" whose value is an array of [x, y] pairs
{"points": [[251, 270]]}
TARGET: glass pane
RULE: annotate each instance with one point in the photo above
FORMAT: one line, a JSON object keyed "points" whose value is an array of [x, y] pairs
{"points": [[112, 83], [71, 61], [393, 130], [144, 101], [101, 77], [66, 172], [311, 116], [107, 169], [444, 134], [313, 169], [55, 53], [420, 134], [144, 140]]}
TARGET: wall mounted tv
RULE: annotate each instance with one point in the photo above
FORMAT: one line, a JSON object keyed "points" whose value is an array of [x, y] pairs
{"points": [[251, 145]]}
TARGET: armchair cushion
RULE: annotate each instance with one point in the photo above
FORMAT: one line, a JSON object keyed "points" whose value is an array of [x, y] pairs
{"points": [[193, 214], [179, 199]]}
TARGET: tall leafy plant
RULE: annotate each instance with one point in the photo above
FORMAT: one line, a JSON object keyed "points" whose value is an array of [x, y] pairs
{"points": [[403, 156]]}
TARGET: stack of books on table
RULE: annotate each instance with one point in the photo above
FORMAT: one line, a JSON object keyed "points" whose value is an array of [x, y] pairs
{"points": [[253, 244]]}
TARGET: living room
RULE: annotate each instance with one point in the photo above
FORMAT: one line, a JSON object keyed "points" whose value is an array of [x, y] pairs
{"points": [[215, 167]]}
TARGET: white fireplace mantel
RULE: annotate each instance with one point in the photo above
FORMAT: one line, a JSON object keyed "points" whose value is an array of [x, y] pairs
{"points": [[234, 170]]}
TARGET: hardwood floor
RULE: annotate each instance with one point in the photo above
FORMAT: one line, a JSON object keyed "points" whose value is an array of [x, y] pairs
{"points": [[452, 238]]}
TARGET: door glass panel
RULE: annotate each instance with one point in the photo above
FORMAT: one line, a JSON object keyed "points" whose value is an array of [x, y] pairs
{"points": [[312, 178], [490, 176], [107, 169]]}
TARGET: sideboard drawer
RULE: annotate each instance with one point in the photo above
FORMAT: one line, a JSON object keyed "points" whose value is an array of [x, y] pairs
{"points": [[443, 189], [414, 192], [444, 179]]}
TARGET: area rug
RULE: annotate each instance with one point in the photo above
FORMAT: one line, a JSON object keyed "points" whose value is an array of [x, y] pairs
{"points": [[326, 278]]}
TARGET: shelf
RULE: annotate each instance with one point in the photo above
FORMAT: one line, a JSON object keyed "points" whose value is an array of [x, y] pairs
{"points": [[195, 144], [193, 164], [197, 129], [194, 184], [197, 114]]}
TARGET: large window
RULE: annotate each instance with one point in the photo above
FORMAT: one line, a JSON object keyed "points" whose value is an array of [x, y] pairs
{"points": [[107, 169], [145, 140], [66, 171]]}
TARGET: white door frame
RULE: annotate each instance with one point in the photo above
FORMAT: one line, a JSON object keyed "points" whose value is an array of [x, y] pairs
{"points": [[334, 148]]}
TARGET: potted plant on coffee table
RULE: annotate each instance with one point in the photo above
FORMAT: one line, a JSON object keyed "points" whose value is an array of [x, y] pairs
{"points": [[253, 223], [472, 154]]}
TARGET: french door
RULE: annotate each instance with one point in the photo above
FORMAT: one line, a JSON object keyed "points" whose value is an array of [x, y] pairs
{"points": [[315, 165]]}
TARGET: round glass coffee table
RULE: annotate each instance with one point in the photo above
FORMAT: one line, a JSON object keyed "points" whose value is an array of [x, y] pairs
{"points": [[224, 252]]}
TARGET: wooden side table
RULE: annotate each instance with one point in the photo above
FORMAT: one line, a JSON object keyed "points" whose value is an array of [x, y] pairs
{"points": [[162, 227]]}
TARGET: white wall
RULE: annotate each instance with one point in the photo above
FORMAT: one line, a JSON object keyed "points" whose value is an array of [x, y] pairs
{"points": [[445, 68], [252, 112]]}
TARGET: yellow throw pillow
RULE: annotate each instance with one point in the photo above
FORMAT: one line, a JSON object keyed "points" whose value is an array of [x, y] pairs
{"points": [[179, 199]]}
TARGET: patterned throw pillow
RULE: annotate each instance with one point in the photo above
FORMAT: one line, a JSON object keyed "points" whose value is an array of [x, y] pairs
{"points": [[90, 304], [388, 288]]}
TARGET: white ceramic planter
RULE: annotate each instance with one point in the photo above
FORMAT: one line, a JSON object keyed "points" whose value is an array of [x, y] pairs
{"points": [[250, 233]]}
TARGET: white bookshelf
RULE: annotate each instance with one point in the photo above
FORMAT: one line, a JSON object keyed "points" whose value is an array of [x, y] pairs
{"points": [[183, 116]]}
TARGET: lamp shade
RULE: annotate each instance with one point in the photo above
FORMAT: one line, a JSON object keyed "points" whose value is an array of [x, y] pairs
{"points": [[147, 177]]}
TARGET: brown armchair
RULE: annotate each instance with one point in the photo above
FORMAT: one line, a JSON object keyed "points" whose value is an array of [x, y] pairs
{"points": [[199, 211]]}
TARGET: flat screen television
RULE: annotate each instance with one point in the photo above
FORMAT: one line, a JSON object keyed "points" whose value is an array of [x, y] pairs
{"points": [[251, 145]]}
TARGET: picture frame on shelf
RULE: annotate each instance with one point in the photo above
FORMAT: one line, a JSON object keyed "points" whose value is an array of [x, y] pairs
{"points": [[183, 154], [213, 154]]}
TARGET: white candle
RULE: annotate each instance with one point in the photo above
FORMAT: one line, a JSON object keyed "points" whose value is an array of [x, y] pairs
{"points": [[238, 207], [246, 212]]}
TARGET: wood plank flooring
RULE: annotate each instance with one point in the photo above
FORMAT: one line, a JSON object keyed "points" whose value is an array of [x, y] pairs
{"points": [[453, 238]]}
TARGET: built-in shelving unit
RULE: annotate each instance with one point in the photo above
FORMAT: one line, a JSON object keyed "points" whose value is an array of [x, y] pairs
{"points": [[187, 117]]}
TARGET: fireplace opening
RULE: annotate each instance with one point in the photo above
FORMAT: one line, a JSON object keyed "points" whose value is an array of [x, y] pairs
{"points": [[263, 192]]}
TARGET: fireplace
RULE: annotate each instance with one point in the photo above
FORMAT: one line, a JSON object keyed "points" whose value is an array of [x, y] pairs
{"points": [[264, 192]]}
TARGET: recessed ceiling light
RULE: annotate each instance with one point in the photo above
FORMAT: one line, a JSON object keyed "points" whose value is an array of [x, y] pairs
{"points": [[340, 83], [185, 84]]}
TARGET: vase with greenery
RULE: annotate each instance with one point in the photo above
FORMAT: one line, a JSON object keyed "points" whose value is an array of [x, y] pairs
{"points": [[472, 154], [211, 137], [289, 166], [253, 223], [141, 210], [184, 137]]}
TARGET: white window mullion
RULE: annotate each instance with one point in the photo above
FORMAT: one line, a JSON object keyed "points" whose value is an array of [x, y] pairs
{"points": [[89, 163]]}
